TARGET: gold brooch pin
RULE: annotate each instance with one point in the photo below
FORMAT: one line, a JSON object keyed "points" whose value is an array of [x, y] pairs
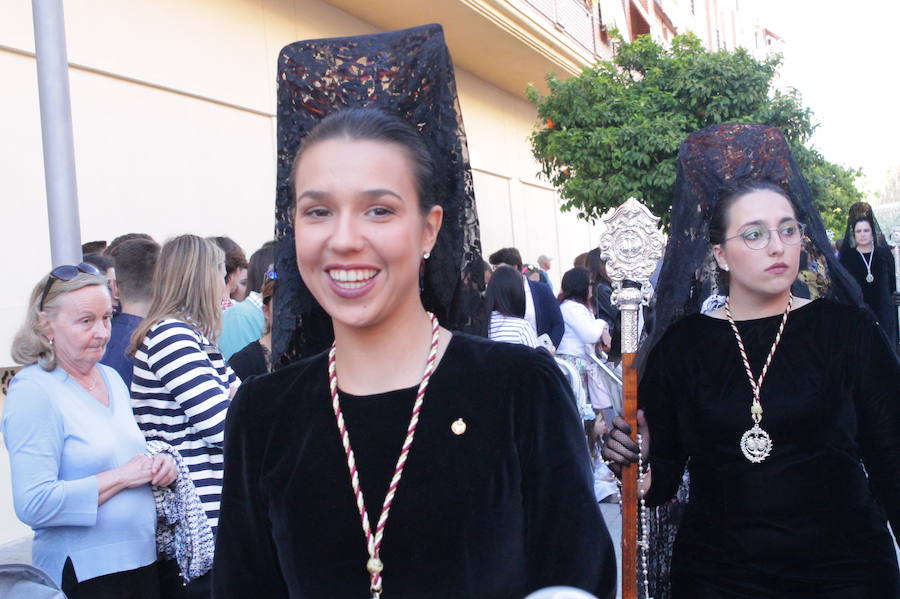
{"points": [[458, 427]]}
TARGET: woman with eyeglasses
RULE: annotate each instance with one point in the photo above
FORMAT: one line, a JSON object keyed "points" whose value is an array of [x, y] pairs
{"points": [[786, 412], [80, 477]]}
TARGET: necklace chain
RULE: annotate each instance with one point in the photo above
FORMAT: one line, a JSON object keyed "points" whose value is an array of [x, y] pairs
{"points": [[373, 540], [756, 445], [868, 263]]}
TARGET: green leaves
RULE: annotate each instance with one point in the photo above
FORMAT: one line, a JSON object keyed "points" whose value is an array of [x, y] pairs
{"points": [[613, 131]]}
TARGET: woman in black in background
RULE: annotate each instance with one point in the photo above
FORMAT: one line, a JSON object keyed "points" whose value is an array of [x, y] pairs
{"points": [[867, 257], [785, 411]]}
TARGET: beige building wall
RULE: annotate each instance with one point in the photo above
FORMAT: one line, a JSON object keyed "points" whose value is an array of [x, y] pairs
{"points": [[173, 107]]}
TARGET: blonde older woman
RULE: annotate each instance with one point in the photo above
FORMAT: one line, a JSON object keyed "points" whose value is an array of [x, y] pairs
{"points": [[79, 474], [182, 386]]}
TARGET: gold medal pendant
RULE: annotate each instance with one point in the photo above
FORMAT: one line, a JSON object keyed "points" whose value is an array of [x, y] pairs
{"points": [[756, 444]]}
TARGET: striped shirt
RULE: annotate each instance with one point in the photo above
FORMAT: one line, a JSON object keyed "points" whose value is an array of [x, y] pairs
{"points": [[509, 329], [180, 395]]}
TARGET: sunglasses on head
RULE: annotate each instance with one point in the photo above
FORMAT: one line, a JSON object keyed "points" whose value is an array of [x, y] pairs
{"points": [[65, 272]]}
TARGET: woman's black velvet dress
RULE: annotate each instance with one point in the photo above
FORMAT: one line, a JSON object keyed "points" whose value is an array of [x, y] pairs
{"points": [[497, 512], [806, 522], [878, 293]]}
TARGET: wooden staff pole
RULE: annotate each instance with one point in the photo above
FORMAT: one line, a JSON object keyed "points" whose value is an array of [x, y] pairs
{"points": [[631, 246]]}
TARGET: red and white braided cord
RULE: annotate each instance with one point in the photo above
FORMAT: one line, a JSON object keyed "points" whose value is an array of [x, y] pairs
{"points": [[373, 541], [754, 384]]}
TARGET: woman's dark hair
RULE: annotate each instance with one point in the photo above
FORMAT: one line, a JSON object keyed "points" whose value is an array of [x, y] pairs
{"points": [[718, 220], [260, 262], [506, 292], [575, 285], [596, 266], [510, 256], [376, 124]]}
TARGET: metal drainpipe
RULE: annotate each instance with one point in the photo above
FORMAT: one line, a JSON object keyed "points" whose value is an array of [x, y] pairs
{"points": [[56, 131]]}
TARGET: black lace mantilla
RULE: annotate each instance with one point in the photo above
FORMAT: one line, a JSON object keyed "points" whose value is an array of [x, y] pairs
{"points": [[709, 160], [408, 72]]}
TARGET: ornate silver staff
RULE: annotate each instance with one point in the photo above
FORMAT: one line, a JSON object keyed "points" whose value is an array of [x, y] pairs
{"points": [[631, 247], [895, 244]]}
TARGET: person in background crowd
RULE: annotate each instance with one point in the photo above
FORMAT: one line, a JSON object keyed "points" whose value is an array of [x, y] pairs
{"points": [[602, 291], [236, 278], [580, 260], [105, 265], [583, 333], [227, 244], [80, 478], [93, 247], [505, 297], [255, 357], [182, 386], [488, 272], [235, 260], [541, 308], [115, 243], [543, 263], [135, 262], [243, 322], [261, 264], [866, 255], [532, 272]]}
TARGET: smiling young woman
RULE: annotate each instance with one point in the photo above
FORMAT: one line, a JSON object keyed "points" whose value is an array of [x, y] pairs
{"points": [[409, 458], [772, 403]]}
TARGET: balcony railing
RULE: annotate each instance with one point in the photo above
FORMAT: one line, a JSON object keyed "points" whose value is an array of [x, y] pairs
{"points": [[571, 17]]}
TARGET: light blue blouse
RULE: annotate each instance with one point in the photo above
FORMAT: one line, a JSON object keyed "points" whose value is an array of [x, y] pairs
{"points": [[59, 438]]}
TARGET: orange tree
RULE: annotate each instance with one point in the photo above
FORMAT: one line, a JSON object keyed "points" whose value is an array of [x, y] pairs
{"points": [[613, 131]]}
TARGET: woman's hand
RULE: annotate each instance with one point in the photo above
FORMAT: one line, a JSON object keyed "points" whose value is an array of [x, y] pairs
{"points": [[164, 470], [620, 449], [605, 341], [135, 472]]}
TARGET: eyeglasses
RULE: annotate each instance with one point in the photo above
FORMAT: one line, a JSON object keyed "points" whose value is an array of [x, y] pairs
{"points": [[65, 272], [757, 237]]}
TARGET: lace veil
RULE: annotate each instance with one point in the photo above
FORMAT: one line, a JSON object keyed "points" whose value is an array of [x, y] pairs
{"points": [[708, 161], [407, 72], [857, 212]]}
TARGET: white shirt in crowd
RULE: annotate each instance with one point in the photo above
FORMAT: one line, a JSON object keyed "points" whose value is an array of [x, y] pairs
{"points": [[529, 305], [582, 329]]}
